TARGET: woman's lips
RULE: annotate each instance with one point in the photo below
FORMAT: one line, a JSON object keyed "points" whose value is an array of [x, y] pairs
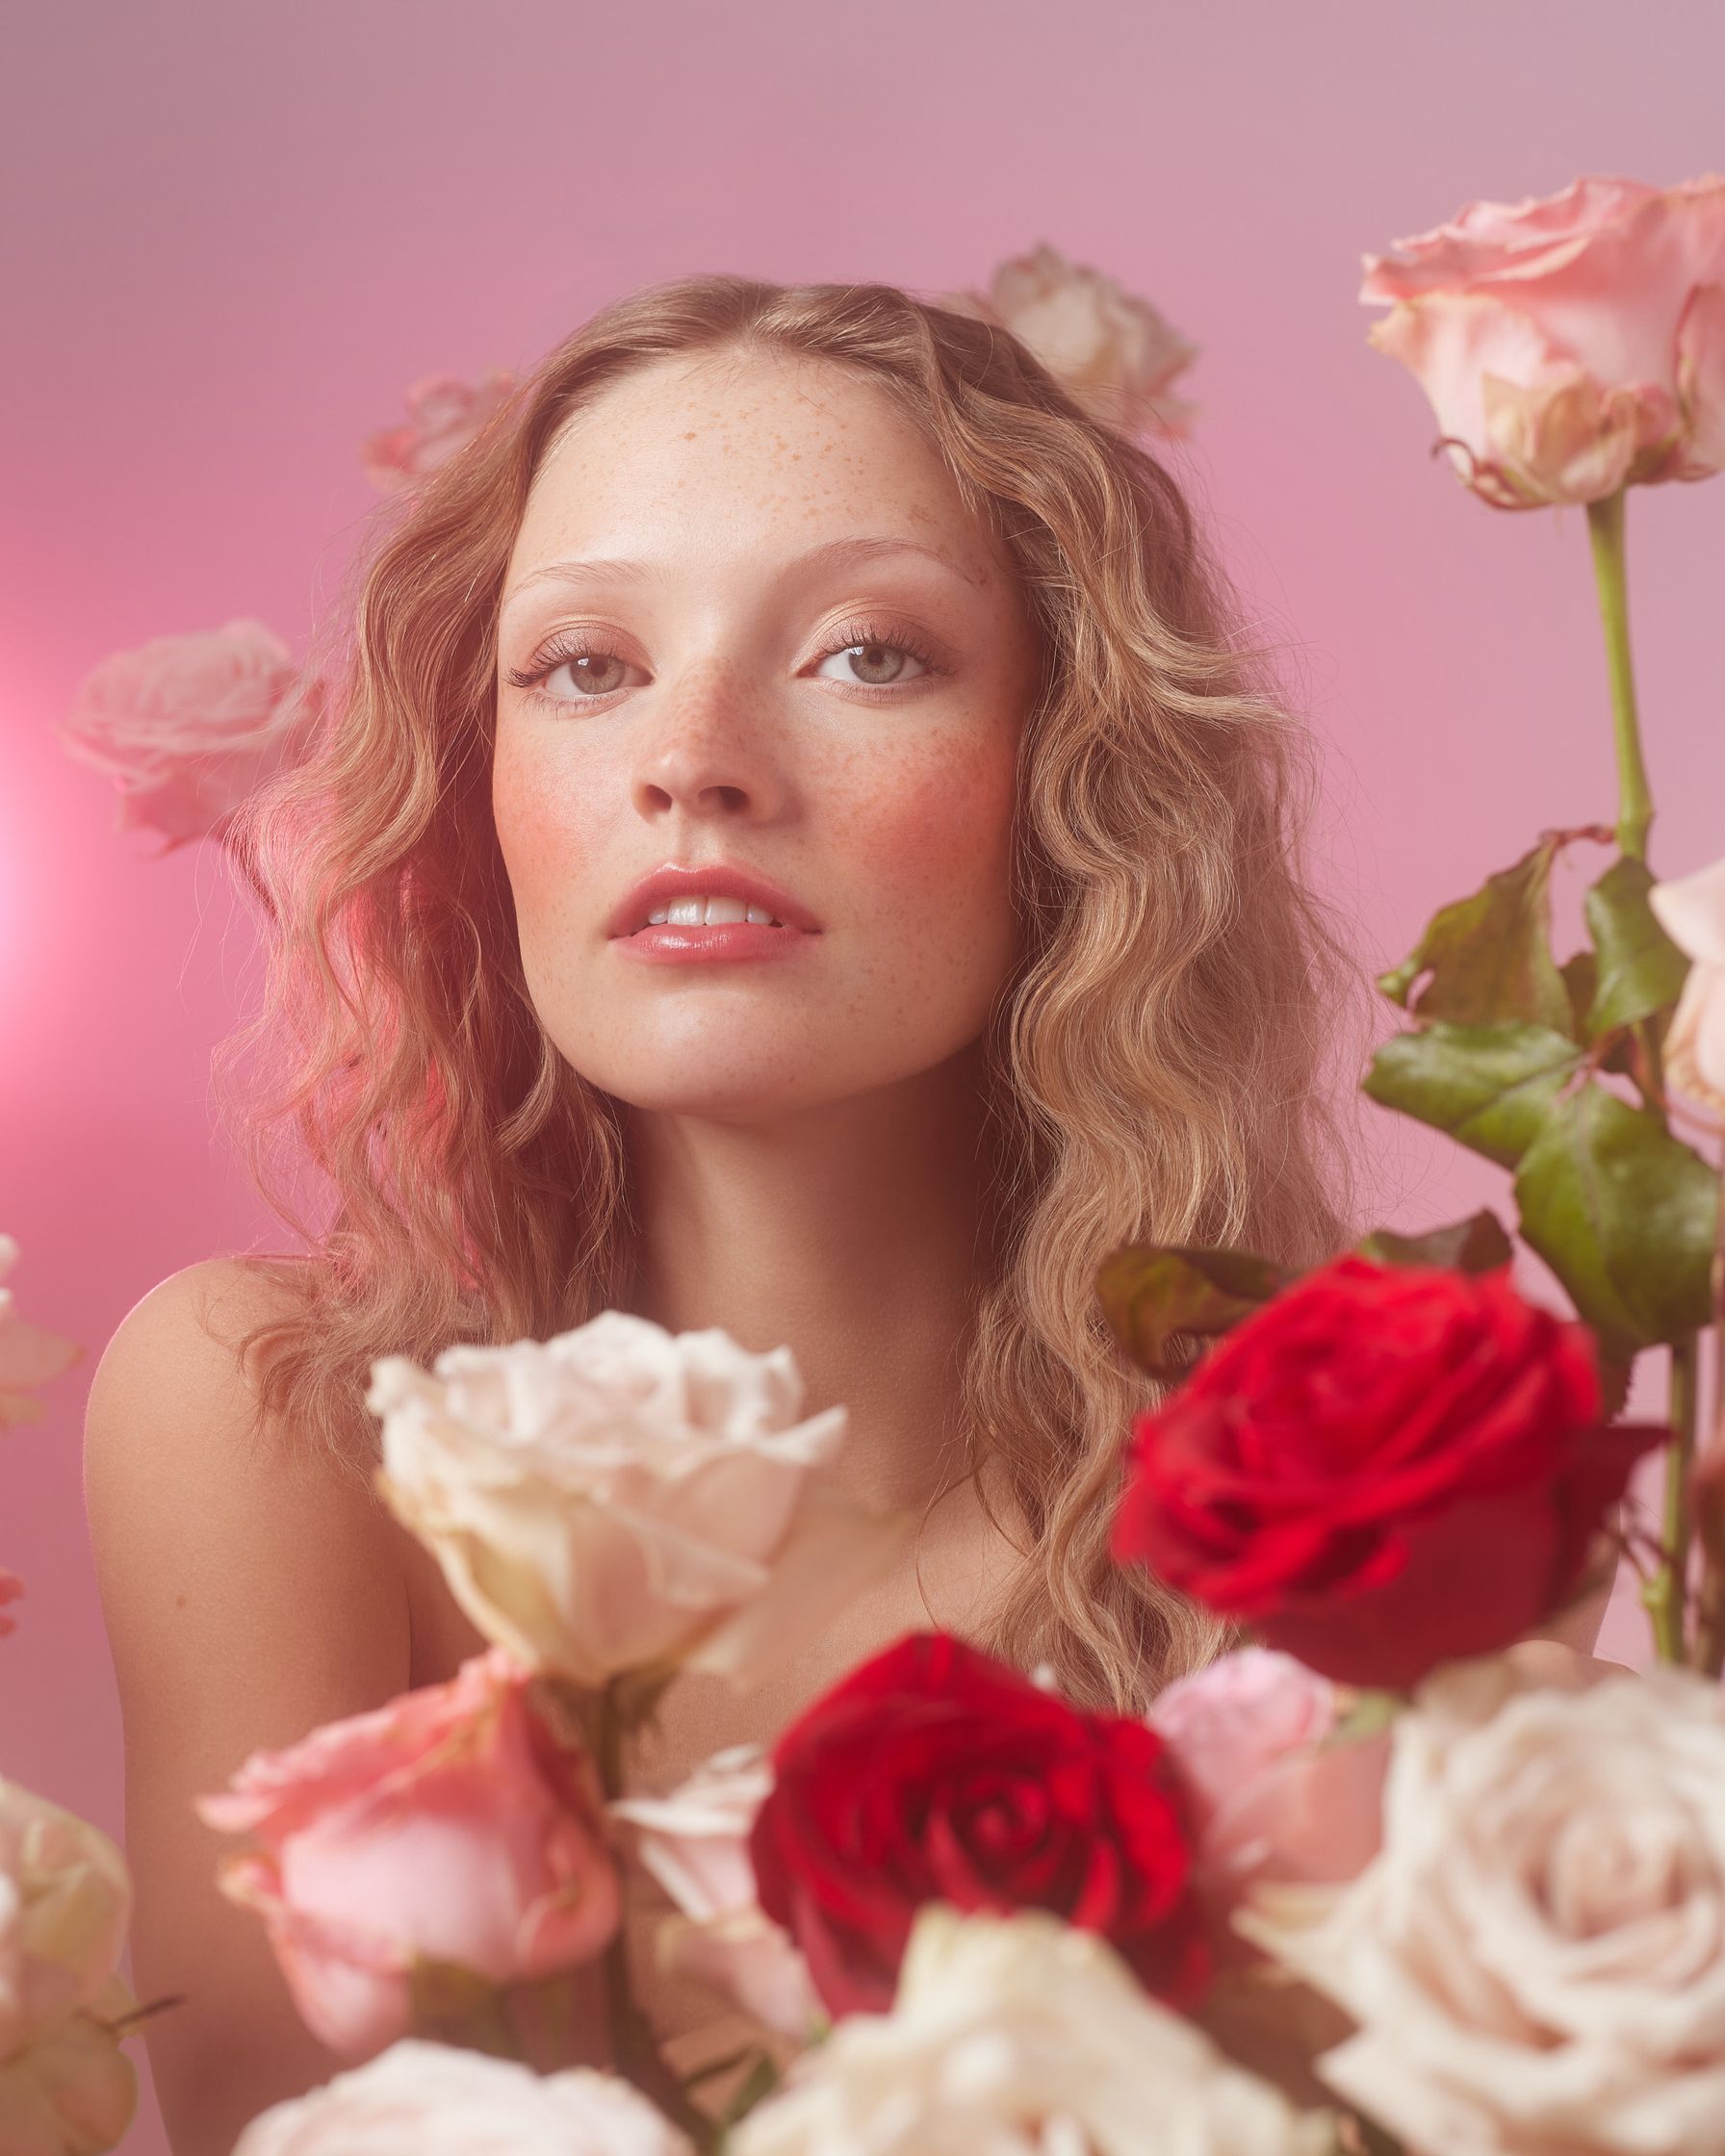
{"points": [[684, 944]]}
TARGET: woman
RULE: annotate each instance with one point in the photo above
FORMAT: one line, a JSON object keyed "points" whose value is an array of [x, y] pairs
{"points": [[830, 601]]}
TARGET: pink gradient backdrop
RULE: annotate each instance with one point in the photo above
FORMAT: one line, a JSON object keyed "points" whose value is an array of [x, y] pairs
{"points": [[236, 234]]}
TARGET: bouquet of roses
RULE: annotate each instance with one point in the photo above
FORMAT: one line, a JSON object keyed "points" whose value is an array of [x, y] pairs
{"points": [[1391, 1874]]}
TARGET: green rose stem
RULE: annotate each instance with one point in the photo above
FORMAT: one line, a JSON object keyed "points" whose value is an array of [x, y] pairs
{"points": [[636, 2050], [1665, 1595]]}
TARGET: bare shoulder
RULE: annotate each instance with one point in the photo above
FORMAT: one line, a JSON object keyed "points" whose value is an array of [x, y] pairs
{"points": [[252, 1593]]}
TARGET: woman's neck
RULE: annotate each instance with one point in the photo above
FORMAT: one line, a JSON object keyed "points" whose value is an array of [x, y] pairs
{"points": [[855, 1234]]}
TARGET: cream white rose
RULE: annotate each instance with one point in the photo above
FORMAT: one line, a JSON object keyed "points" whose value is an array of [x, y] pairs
{"points": [[622, 1499], [188, 725], [1536, 1960], [433, 2099], [1692, 911], [1108, 349], [71, 2090], [695, 1842], [29, 1356], [1021, 2036]]}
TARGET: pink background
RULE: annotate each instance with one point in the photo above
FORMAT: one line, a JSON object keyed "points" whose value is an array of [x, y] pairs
{"points": [[237, 232]]}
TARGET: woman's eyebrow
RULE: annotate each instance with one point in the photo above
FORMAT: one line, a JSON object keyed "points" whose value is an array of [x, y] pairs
{"points": [[835, 553]]}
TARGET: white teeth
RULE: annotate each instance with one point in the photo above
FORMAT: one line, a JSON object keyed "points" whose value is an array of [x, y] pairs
{"points": [[701, 913]]}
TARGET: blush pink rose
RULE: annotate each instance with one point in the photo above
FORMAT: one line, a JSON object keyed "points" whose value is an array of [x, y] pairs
{"points": [[446, 412], [188, 725], [1108, 349], [451, 1826], [695, 1842], [29, 1356], [1692, 911], [1570, 344], [1270, 1798]]}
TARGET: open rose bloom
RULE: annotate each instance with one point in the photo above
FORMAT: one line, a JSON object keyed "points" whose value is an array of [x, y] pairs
{"points": [[1572, 345], [451, 1826], [622, 1499]]}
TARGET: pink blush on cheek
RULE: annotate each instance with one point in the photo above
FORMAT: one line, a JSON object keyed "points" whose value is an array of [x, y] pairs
{"points": [[933, 834]]}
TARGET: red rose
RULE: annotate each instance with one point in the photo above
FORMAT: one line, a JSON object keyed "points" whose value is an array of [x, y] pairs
{"points": [[934, 1773], [1384, 1468]]}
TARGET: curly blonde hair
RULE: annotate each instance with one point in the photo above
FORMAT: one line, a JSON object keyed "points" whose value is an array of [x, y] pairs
{"points": [[1154, 1062]]}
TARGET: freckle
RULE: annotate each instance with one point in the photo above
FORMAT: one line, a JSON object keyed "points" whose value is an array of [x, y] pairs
{"points": [[179, 1602], [688, 437]]}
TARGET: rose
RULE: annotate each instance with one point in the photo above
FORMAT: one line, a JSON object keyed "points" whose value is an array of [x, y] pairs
{"points": [[935, 1773], [1110, 350], [622, 1499], [11, 1587], [1570, 344], [66, 1901], [1382, 1468], [433, 2099], [1020, 2036], [447, 413], [29, 1356], [1692, 911], [695, 1842], [190, 725], [1271, 1793], [1533, 1960], [462, 1783]]}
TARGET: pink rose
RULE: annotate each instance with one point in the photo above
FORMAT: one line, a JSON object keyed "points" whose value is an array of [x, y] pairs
{"points": [[11, 1587], [446, 414], [462, 1785], [695, 1842], [189, 726], [1692, 911], [1570, 344], [29, 1356], [1107, 348], [433, 2099], [1269, 1799]]}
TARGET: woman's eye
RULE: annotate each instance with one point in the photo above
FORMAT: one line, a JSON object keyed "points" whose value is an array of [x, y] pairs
{"points": [[593, 673], [873, 666]]}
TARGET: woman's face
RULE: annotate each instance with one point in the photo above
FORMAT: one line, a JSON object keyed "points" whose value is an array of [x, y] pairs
{"points": [[800, 657]]}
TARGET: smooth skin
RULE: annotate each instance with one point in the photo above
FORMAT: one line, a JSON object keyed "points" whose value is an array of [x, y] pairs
{"points": [[804, 1131]]}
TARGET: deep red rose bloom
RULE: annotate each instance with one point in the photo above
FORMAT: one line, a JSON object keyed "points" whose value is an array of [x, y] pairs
{"points": [[935, 1773], [1383, 1468]]}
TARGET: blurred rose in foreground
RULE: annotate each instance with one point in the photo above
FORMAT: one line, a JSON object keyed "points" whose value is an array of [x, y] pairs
{"points": [[622, 1499], [189, 726], [445, 414], [29, 1356], [695, 1842], [450, 1826], [431, 2099], [1024, 2037], [1692, 911], [65, 1900], [1534, 1960], [1571, 344], [1110, 350]]}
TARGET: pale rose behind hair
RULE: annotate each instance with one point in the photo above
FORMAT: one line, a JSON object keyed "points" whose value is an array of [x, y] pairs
{"points": [[1108, 349], [66, 1901], [431, 2099], [622, 1499], [1571, 344], [1273, 1795], [695, 1842], [1025, 2036], [189, 726], [446, 412], [450, 1826], [29, 1356], [1692, 911], [1534, 1961]]}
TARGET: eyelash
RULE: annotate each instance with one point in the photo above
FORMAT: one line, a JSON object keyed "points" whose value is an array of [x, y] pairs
{"points": [[575, 644]]}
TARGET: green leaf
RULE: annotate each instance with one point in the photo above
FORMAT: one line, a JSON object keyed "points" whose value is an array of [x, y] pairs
{"points": [[1491, 1088], [1625, 1215], [1489, 956], [1152, 1291], [1480, 1244], [1640, 970], [762, 2080]]}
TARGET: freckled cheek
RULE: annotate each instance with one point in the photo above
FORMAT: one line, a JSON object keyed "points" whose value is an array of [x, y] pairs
{"points": [[546, 826], [933, 839]]}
